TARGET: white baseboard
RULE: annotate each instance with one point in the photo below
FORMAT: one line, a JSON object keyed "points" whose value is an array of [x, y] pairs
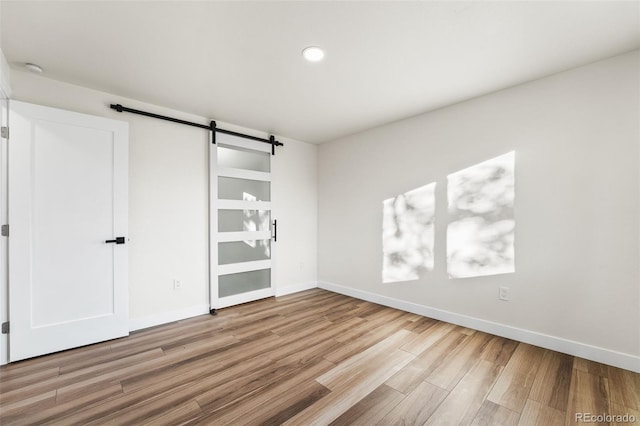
{"points": [[296, 288], [166, 317], [593, 353]]}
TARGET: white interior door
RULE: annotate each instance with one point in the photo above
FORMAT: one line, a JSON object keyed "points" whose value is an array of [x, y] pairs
{"points": [[67, 197], [241, 221]]}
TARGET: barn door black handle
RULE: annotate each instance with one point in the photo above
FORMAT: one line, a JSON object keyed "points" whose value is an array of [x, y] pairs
{"points": [[275, 230], [118, 240]]}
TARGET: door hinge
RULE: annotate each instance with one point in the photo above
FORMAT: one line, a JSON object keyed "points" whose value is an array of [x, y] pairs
{"points": [[5, 230], [5, 327], [5, 132]]}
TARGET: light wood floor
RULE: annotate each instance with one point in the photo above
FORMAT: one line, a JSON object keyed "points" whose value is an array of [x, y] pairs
{"points": [[312, 358]]}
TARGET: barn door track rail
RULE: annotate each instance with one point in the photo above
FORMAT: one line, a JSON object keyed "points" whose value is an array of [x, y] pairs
{"points": [[211, 127]]}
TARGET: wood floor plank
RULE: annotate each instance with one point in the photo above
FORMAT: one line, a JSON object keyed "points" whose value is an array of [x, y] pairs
{"points": [[354, 365], [536, 414], [513, 387], [348, 386], [74, 384], [20, 409], [368, 309], [416, 407], [222, 342], [428, 338], [179, 415], [29, 366], [249, 380], [463, 403], [155, 408], [371, 408], [169, 374], [343, 313], [81, 403], [8, 384], [77, 382], [259, 401], [389, 321], [625, 387], [294, 323], [553, 380], [79, 378], [493, 414], [449, 373], [243, 385], [316, 309], [245, 349], [218, 373], [626, 415], [589, 394], [300, 330], [590, 366], [354, 346], [356, 333], [186, 340], [258, 326], [421, 325], [366, 340], [154, 339], [170, 392], [420, 368], [312, 352], [276, 412], [356, 377], [499, 350]]}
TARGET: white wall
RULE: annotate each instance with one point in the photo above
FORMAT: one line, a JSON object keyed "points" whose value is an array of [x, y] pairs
{"points": [[295, 195], [576, 138], [168, 202], [5, 80], [5, 75]]}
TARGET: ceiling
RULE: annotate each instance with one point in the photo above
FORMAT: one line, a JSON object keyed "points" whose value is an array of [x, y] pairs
{"points": [[239, 62]]}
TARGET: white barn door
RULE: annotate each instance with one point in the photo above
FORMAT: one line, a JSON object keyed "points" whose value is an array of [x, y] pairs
{"points": [[68, 223], [241, 224]]}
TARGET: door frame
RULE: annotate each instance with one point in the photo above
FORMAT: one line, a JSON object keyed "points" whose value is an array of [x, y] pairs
{"points": [[5, 96], [4, 243]]}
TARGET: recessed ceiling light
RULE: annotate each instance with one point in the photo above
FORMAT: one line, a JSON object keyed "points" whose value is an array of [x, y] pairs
{"points": [[33, 68], [313, 54]]}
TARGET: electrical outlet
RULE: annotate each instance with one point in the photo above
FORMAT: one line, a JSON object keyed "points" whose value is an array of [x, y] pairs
{"points": [[177, 284], [503, 294]]}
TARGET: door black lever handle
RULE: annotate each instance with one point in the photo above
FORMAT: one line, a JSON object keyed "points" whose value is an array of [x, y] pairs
{"points": [[275, 230], [118, 240]]}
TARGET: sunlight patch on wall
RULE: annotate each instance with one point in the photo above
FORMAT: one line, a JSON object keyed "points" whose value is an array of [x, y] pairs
{"points": [[408, 234], [480, 234]]}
